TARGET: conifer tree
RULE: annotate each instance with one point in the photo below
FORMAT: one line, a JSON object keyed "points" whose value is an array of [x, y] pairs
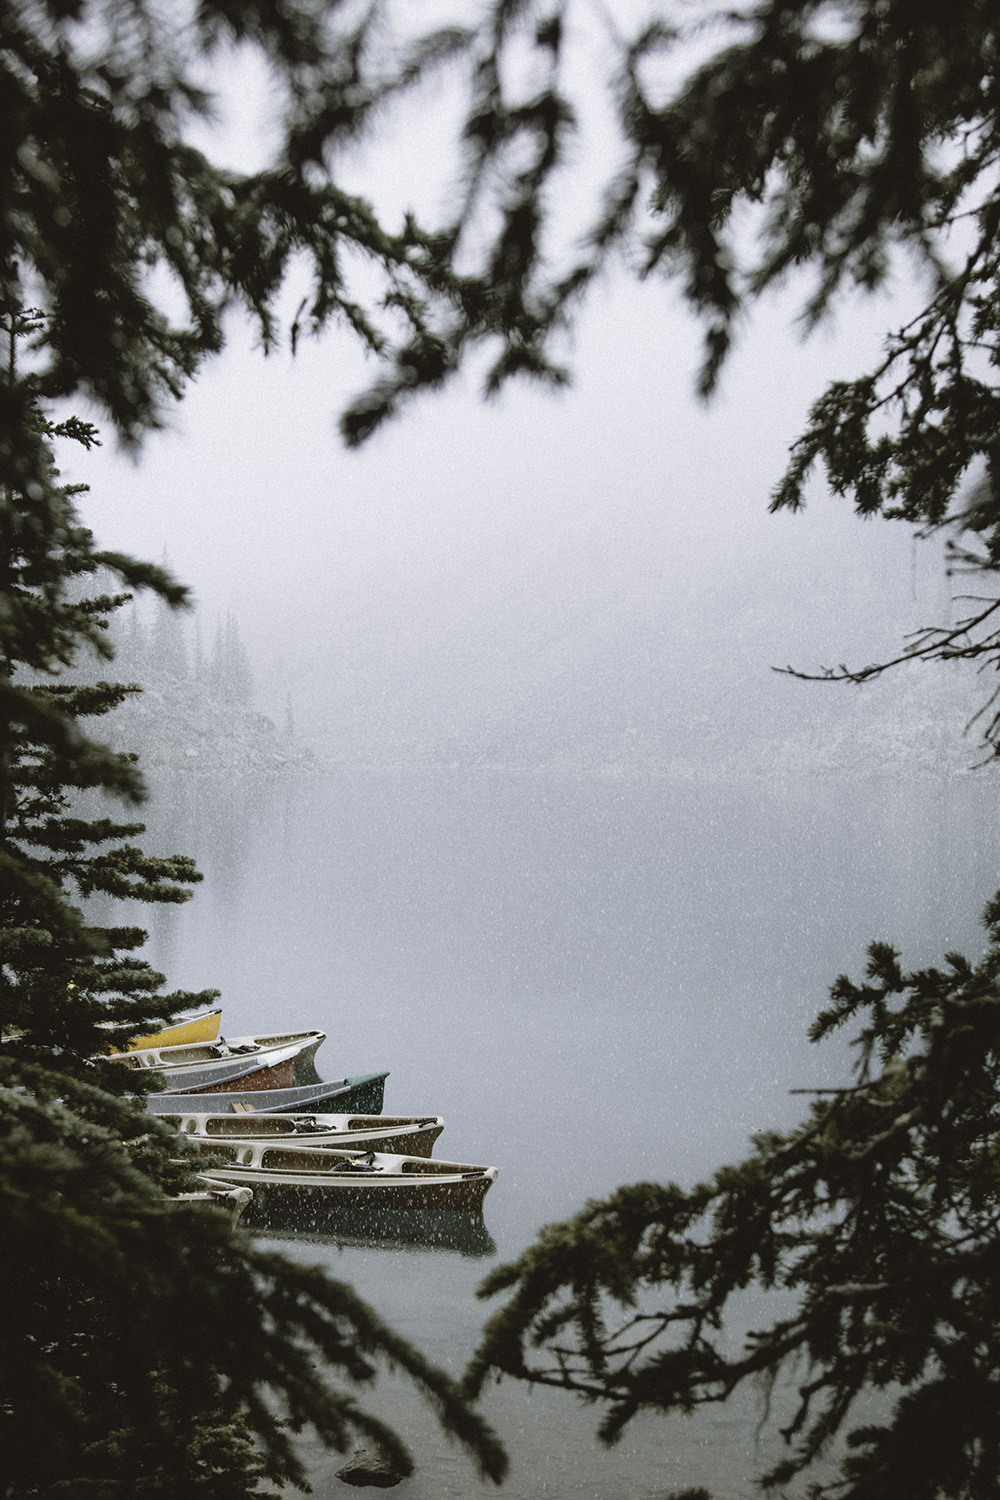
{"points": [[49, 852], [167, 654], [147, 1347], [199, 667], [230, 677]]}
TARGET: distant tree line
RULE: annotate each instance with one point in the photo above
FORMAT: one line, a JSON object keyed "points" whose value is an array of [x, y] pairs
{"points": [[164, 647]]}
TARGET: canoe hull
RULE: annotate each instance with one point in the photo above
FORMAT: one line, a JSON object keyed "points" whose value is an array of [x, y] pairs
{"points": [[241, 1063], [363, 1093], [388, 1181], [200, 1028], [378, 1195], [238, 1075], [278, 1076]]}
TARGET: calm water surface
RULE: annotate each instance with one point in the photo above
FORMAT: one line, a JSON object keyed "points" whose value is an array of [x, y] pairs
{"points": [[593, 979]]}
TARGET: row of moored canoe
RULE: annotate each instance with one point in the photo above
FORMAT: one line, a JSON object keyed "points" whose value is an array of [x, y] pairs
{"points": [[239, 1101]]}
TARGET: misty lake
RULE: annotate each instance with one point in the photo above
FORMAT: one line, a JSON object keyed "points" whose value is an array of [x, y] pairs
{"points": [[593, 979]]}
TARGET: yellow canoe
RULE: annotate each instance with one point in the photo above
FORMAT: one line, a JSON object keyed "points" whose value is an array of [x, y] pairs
{"points": [[203, 1027]]}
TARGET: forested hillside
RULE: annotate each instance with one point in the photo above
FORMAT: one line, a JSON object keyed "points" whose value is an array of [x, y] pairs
{"points": [[196, 711]]}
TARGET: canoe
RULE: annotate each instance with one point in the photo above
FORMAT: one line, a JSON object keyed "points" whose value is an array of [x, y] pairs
{"points": [[413, 1135], [372, 1179], [270, 1068], [364, 1092], [239, 1063], [203, 1027], [206, 1054]]}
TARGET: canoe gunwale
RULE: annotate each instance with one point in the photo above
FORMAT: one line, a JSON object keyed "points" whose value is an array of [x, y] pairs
{"points": [[411, 1135]]}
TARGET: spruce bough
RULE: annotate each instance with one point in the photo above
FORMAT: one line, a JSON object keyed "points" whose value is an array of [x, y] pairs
{"points": [[880, 1213]]}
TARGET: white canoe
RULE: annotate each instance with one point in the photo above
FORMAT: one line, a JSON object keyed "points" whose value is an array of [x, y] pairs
{"points": [[412, 1135], [374, 1179], [231, 1063]]}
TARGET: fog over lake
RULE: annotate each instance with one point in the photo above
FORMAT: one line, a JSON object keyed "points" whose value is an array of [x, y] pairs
{"points": [[588, 578]]}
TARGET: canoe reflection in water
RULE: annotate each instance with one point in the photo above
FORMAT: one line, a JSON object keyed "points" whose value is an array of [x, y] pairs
{"points": [[309, 1219]]}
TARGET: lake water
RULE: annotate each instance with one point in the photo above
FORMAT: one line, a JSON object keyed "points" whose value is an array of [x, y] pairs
{"points": [[593, 979]]}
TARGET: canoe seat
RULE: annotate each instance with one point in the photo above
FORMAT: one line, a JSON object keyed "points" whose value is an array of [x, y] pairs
{"points": [[357, 1164]]}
